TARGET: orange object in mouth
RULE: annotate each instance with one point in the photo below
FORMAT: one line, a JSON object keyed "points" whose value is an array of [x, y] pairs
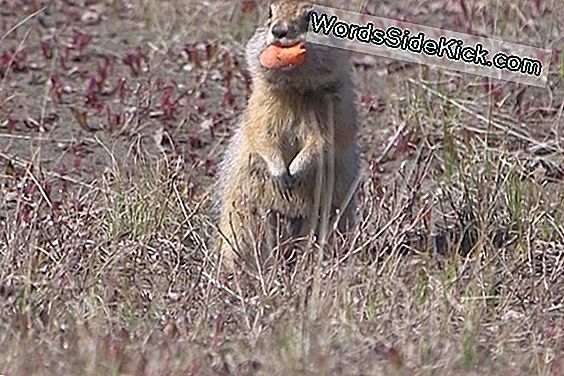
{"points": [[276, 57]]}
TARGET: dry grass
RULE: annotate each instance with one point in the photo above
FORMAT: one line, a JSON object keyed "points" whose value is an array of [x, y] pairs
{"points": [[112, 118]]}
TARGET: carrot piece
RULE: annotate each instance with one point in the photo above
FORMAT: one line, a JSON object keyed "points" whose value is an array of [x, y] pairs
{"points": [[276, 57]]}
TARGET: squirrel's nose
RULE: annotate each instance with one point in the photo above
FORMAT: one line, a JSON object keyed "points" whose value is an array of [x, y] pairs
{"points": [[279, 30]]}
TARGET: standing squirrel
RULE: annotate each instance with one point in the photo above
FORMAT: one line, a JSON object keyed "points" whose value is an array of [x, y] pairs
{"points": [[291, 167]]}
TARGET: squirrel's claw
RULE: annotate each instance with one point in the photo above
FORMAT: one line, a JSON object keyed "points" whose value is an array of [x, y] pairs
{"points": [[285, 182]]}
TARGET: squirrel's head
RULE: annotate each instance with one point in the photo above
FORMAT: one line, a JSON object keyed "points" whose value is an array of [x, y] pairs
{"points": [[287, 25]]}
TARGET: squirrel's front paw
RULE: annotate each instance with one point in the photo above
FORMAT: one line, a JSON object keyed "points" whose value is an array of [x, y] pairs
{"points": [[284, 180], [299, 167]]}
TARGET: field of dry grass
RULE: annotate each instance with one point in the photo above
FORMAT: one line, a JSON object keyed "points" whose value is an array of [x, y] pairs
{"points": [[113, 117]]}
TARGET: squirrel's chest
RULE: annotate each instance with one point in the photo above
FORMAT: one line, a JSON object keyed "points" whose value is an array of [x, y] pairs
{"points": [[295, 130], [290, 136]]}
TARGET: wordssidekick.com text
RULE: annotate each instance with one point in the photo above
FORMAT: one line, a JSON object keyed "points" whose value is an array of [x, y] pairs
{"points": [[396, 38]]}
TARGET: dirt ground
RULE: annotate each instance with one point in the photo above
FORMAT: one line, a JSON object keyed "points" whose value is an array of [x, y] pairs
{"points": [[113, 118]]}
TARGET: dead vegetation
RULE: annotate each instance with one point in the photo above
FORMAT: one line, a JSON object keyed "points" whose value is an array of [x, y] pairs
{"points": [[113, 116]]}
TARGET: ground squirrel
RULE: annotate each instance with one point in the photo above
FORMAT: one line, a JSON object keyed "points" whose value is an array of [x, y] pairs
{"points": [[291, 166]]}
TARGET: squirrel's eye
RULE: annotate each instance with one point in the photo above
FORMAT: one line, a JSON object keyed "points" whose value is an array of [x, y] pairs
{"points": [[307, 14], [270, 12]]}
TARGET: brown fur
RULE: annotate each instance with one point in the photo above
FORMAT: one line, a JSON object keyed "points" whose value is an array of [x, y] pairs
{"points": [[294, 159]]}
